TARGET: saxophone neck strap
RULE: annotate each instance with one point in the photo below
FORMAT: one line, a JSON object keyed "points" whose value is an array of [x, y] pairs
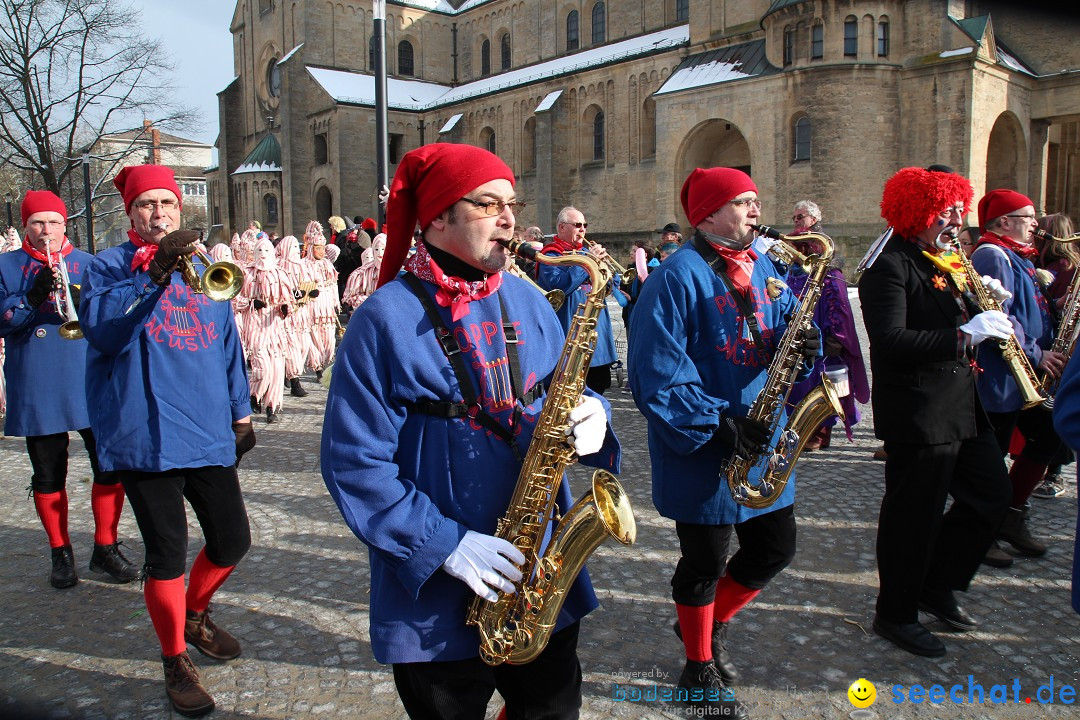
{"points": [[470, 405], [719, 266]]}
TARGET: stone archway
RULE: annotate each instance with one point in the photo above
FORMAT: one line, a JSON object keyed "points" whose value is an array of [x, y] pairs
{"points": [[324, 205], [1006, 151], [713, 143]]}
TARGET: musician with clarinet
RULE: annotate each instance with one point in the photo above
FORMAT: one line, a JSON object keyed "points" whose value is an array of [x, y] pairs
{"points": [[436, 391], [924, 331], [171, 410], [44, 367], [704, 333], [1006, 251]]}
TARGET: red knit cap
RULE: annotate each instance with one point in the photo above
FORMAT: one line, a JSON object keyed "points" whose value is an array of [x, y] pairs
{"points": [[41, 201], [914, 197], [996, 203], [368, 224], [134, 180], [708, 188], [428, 180]]}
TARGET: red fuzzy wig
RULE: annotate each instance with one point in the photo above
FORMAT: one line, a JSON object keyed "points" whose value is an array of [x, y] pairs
{"points": [[914, 197]]}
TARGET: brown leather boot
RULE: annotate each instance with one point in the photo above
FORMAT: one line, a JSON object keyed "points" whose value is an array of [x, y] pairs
{"points": [[208, 638], [183, 686]]}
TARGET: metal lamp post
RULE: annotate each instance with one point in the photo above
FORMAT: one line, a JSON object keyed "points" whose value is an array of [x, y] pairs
{"points": [[382, 139]]}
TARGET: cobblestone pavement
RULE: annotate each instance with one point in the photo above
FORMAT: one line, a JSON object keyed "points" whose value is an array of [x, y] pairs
{"points": [[298, 603]]}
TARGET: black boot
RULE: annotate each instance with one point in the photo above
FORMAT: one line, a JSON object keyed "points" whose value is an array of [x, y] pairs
{"points": [[721, 656], [271, 415], [256, 406], [718, 698], [318, 375], [295, 389], [63, 568], [1015, 532], [109, 559]]}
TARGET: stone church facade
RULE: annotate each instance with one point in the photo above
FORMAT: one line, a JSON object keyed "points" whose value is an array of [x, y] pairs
{"points": [[609, 104]]}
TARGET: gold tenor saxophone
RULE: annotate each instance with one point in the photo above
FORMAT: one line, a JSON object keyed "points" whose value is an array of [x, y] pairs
{"points": [[1019, 365], [757, 481], [518, 625], [1068, 325], [555, 297]]}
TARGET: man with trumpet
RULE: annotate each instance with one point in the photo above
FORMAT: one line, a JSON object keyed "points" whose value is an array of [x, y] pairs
{"points": [[171, 411], [573, 282], [37, 289]]}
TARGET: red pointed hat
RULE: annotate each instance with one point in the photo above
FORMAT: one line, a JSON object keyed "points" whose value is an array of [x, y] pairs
{"points": [[428, 180], [996, 203], [913, 197], [37, 201], [134, 180], [708, 188]]}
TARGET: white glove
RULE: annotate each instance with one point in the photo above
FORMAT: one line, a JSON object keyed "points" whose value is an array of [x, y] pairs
{"points": [[988, 324], [588, 426], [481, 561], [996, 289], [384, 195]]}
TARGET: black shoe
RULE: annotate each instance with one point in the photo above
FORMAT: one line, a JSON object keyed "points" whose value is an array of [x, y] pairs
{"points": [[295, 389], [318, 376], [256, 406], [63, 568], [942, 605], [717, 698], [1015, 532], [912, 637], [996, 557], [271, 416], [721, 656], [109, 559]]}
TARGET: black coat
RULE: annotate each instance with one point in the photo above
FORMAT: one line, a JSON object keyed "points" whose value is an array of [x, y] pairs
{"points": [[923, 384]]}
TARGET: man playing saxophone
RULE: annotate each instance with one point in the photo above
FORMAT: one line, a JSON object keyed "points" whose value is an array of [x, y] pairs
{"points": [[923, 332], [438, 385], [1005, 251], [704, 332]]}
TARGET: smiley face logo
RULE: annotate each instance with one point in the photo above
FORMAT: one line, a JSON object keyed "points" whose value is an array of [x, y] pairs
{"points": [[862, 693]]}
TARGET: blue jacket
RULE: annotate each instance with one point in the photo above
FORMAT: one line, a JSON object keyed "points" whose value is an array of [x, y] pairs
{"points": [[574, 281], [165, 369], [690, 361], [1031, 318], [410, 484], [44, 372]]}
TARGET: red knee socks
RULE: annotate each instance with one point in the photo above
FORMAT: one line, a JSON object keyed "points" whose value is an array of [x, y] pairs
{"points": [[730, 598], [106, 502], [205, 579], [52, 508], [165, 604], [696, 624], [1025, 476]]}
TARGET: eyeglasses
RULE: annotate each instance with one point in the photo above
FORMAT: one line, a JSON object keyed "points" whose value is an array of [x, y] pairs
{"points": [[1029, 218], [495, 207], [151, 206], [795, 218], [578, 225], [740, 202], [40, 224]]}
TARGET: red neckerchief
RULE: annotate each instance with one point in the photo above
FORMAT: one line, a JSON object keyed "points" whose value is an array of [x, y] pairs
{"points": [[740, 265], [65, 249], [560, 246], [1028, 252], [145, 253], [453, 292]]}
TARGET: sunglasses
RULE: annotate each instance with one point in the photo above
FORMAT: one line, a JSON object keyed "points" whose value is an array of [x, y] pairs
{"points": [[580, 225]]}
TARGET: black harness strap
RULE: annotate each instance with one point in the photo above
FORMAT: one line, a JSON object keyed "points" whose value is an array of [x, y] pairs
{"points": [[719, 266]]}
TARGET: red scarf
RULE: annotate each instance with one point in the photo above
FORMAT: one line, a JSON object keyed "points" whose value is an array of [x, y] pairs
{"points": [[1028, 252], [145, 253], [740, 265], [65, 250], [453, 292], [561, 246]]}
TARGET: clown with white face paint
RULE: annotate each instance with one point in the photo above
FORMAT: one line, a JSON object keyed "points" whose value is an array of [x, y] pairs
{"points": [[264, 304], [323, 305]]}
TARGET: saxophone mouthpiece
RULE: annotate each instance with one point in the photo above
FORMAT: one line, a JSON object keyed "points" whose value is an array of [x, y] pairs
{"points": [[1040, 234], [768, 232], [518, 247]]}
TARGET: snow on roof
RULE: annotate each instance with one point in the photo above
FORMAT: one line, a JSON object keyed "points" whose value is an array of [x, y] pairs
{"points": [[450, 124], [290, 53], [548, 101], [359, 88], [441, 5], [957, 51], [734, 62]]}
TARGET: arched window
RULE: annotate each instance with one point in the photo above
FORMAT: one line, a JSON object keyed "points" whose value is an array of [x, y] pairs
{"points": [[265, 6], [648, 128], [883, 38], [271, 206], [599, 24], [405, 58], [789, 46], [487, 140], [485, 57], [504, 51], [598, 136], [572, 38], [682, 10], [803, 134], [817, 42], [851, 37], [528, 148], [324, 204], [322, 154]]}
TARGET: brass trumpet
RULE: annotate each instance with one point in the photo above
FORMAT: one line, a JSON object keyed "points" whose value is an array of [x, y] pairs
{"points": [[613, 265], [69, 329]]}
